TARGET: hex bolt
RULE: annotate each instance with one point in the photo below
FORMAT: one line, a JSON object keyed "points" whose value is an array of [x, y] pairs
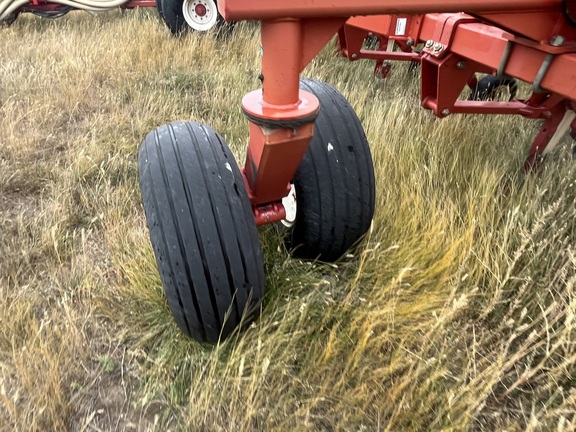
{"points": [[445, 112], [429, 44], [438, 47], [461, 65], [557, 40], [410, 42]]}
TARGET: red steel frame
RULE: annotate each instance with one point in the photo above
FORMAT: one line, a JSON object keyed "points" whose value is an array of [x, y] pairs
{"points": [[424, 28], [525, 39], [391, 31]]}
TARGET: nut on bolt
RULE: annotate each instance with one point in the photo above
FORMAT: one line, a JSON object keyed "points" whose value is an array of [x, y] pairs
{"points": [[437, 47], [354, 56], [410, 42], [557, 40], [429, 44], [445, 112]]}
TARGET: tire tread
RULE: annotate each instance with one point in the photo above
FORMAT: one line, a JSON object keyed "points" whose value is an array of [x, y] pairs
{"points": [[202, 229], [334, 187]]}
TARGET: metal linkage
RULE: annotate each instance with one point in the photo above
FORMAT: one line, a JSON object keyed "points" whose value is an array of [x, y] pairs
{"points": [[455, 50], [389, 32], [281, 116], [529, 40], [561, 122]]}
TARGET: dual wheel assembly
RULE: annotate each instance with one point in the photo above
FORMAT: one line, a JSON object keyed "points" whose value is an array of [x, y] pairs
{"points": [[202, 226]]}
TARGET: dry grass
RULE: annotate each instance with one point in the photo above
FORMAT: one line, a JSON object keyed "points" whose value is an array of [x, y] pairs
{"points": [[456, 313]]}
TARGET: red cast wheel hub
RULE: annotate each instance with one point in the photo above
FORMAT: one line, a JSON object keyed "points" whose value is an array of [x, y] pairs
{"points": [[200, 10]]}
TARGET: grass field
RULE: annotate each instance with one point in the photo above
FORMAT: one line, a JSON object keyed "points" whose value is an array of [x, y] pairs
{"points": [[455, 313]]}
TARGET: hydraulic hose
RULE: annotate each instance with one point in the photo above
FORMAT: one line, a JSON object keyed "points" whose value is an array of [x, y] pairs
{"points": [[96, 4], [8, 7]]}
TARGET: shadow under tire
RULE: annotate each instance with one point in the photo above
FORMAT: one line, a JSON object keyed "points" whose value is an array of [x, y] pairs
{"points": [[335, 187], [202, 230]]}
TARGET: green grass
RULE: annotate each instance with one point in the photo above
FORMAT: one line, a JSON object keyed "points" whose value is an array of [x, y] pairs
{"points": [[456, 312]]}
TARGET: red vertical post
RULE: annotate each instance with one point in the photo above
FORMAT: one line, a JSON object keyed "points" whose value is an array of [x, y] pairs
{"points": [[281, 62], [281, 115]]}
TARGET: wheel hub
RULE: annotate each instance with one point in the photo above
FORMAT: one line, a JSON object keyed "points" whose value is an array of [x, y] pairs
{"points": [[201, 15], [290, 205], [200, 10]]}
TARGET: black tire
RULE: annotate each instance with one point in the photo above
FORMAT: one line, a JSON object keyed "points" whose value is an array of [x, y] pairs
{"points": [[335, 181], [159, 9], [202, 230], [173, 16], [487, 88]]}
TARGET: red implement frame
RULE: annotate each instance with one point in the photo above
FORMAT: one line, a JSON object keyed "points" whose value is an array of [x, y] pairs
{"points": [[389, 31], [526, 39]]}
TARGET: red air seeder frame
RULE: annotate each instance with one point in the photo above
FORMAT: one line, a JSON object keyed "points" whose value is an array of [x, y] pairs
{"points": [[530, 40]]}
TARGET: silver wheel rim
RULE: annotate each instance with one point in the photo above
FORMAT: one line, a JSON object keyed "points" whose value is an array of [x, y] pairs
{"points": [[289, 203], [201, 15]]}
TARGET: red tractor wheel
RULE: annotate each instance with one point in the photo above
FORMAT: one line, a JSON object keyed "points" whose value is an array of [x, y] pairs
{"points": [[202, 230]]}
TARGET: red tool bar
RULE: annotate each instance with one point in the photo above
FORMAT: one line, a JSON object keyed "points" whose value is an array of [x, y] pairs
{"points": [[487, 45], [273, 9]]}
